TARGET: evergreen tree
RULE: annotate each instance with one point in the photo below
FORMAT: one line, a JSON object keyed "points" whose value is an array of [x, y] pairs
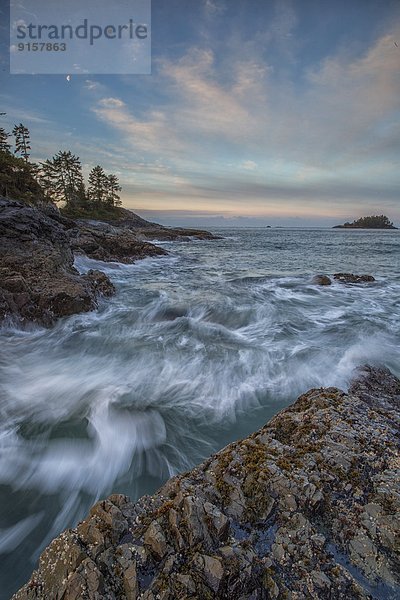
{"points": [[17, 180], [62, 179], [22, 141], [113, 188], [98, 185], [4, 145]]}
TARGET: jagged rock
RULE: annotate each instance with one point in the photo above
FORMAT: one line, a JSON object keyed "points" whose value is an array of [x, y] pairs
{"points": [[100, 282], [211, 568], [306, 507], [155, 539], [38, 281], [322, 280], [105, 242], [148, 230], [174, 233], [350, 278]]}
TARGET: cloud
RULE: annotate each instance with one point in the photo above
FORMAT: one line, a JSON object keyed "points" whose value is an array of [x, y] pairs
{"points": [[92, 85], [331, 134], [358, 94], [153, 134], [249, 165], [214, 8], [205, 106], [336, 111], [199, 108]]}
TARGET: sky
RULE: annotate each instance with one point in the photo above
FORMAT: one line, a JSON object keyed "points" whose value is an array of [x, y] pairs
{"points": [[281, 112]]}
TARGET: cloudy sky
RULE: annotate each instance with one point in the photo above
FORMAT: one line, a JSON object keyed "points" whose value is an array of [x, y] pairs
{"points": [[256, 111]]}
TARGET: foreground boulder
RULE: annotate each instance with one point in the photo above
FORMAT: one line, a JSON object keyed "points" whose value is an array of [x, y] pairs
{"points": [[306, 507], [38, 281]]}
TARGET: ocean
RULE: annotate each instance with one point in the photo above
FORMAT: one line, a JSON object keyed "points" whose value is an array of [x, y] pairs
{"points": [[195, 350]]}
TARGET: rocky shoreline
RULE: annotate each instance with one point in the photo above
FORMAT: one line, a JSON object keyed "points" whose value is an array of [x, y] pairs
{"points": [[38, 280], [306, 507]]}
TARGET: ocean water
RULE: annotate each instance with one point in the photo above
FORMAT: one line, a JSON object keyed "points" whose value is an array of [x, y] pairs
{"points": [[196, 349]]}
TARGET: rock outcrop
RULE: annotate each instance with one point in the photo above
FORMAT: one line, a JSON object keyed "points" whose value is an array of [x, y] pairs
{"points": [[342, 278], [102, 241], [38, 281], [350, 278], [149, 230], [175, 233], [306, 507]]}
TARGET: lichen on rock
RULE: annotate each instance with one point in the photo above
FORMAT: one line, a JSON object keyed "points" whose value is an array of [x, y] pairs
{"points": [[306, 507]]}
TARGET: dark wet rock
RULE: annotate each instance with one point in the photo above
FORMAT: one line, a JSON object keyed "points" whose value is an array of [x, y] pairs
{"points": [[102, 241], [38, 281], [322, 280], [100, 283], [306, 507], [350, 278]]}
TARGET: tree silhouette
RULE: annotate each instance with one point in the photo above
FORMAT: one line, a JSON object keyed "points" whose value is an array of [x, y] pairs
{"points": [[4, 145], [61, 178], [97, 185], [103, 189], [113, 188], [22, 141], [17, 180]]}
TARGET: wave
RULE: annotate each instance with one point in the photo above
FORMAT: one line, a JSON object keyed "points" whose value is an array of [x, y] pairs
{"points": [[192, 352]]}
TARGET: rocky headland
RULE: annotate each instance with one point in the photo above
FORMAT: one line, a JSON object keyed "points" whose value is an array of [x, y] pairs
{"points": [[38, 280], [306, 507]]}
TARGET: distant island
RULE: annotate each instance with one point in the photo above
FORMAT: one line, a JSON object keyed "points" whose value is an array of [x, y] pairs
{"points": [[373, 222]]}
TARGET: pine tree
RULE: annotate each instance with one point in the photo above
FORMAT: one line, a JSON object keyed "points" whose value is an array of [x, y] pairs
{"points": [[98, 185], [113, 188], [61, 178], [4, 145], [18, 181], [22, 141]]}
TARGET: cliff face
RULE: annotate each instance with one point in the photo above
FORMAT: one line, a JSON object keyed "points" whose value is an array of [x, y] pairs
{"points": [[306, 507]]}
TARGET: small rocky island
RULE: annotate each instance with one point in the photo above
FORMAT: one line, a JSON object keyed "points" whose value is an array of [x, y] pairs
{"points": [[306, 507], [373, 222]]}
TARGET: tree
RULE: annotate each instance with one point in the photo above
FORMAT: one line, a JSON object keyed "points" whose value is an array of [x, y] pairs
{"points": [[62, 179], [4, 145], [98, 185], [103, 189], [113, 188], [17, 180], [22, 141]]}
